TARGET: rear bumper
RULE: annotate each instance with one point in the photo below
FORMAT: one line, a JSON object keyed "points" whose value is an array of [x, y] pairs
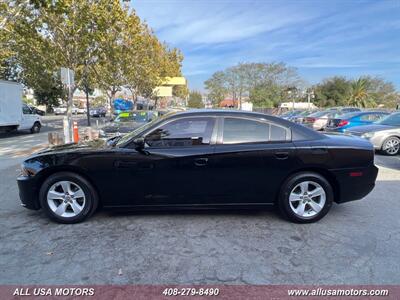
{"points": [[355, 187], [28, 192]]}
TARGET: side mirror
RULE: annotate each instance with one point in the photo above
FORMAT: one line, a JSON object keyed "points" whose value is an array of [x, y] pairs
{"points": [[139, 143]]}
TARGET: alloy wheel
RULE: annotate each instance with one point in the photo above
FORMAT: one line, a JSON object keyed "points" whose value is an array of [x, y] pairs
{"points": [[66, 199], [307, 199], [392, 146]]}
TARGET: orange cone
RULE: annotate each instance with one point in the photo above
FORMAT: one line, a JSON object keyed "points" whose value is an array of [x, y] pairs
{"points": [[76, 132]]}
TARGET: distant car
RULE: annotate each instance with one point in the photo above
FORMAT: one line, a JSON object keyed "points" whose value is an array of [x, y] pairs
{"points": [[126, 122], [81, 110], [384, 134], [98, 112], [37, 111], [320, 119], [298, 118], [348, 120], [289, 114], [61, 110]]}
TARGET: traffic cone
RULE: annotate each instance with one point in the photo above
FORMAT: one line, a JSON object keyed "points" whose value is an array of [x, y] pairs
{"points": [[76, 132]]}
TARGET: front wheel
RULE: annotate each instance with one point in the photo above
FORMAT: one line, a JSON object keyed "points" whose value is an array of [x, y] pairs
{"points": [[305, 197], [68, 198], [391, 145], [36, 127]]}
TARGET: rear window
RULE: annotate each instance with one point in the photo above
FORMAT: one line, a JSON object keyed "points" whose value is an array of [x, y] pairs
{"points": [[238, 131]]}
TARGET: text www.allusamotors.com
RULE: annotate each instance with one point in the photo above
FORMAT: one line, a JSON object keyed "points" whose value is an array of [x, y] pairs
{"points": [[338, 292]]}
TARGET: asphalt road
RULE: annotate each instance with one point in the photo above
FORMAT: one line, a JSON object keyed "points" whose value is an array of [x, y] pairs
{"points": [[356, 243]]}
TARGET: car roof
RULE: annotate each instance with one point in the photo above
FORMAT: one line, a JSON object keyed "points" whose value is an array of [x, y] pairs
{"points": [[233, 112]]}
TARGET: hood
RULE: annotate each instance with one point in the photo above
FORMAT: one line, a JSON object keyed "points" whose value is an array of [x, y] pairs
{"points": [[368, 128], [123, 127], [85, 146]]}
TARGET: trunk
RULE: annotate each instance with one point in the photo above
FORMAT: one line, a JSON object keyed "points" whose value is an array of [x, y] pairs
{"points": [[87, 108]]}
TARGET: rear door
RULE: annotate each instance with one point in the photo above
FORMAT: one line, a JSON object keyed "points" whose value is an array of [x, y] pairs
{"points": [[252, 158]]}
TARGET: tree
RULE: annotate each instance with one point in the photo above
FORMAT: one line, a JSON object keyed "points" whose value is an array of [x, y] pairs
{"points": [[195, 100], [216, 86], [263, 83], [333, 91], [359, 93], [266, 95]]}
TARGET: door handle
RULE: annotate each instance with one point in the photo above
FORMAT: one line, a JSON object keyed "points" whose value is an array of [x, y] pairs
{"points": [[201, 162], [130, 164], [124, 164], [319, 151], [282, 154]]}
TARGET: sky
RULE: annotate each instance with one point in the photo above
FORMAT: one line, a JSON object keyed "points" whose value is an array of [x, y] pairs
{"points": [[319, 38]]}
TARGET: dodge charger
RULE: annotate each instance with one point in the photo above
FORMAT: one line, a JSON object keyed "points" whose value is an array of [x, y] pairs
{"points": [[202, 159]]}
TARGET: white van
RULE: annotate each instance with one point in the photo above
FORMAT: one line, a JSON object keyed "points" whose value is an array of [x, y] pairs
{"points": [[15, 115]]}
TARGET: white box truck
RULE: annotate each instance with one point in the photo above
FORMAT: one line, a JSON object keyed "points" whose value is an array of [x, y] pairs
{"points": [[14, 114]]}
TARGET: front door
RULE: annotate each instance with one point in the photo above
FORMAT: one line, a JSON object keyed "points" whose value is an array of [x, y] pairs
{"points": [[178, 161]]}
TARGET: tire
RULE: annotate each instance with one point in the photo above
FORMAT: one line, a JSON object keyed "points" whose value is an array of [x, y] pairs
{"points": [[36, 127], [391, 146], [292, 188], [87, 203]]}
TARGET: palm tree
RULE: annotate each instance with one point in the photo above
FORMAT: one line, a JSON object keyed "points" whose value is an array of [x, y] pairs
{"points": [[359, 94]]}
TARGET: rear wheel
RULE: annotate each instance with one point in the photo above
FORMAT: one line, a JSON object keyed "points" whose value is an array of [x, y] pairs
{"points": [[305, 197], [391, 146], [36, 127], [68, 198]]}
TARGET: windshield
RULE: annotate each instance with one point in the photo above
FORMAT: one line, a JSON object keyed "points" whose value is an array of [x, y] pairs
{"points": [[141, 129], [318, 114], [393, 120], [140, 117]]}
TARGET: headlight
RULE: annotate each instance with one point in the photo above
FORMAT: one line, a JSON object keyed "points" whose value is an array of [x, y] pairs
{"points": [[25, 171], [368, 135]]}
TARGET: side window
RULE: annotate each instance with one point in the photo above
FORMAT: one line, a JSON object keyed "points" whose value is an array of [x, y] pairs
{"points": [[238, 131], [371, 117], [278, 133], [184, 132], [26, 110]]}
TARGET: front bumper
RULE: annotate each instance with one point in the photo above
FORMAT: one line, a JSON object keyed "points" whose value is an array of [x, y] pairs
{"points": [[28, 192]]}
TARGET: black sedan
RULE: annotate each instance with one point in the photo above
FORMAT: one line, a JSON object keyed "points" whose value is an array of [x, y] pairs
{"points": [[202, 159]]}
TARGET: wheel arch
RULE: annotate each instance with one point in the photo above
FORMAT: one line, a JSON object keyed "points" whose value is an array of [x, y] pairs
{"points": [[388, 137], [320, 171], [44, 174]]}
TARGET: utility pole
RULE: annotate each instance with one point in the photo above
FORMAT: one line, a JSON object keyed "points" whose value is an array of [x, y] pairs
{"points": [[67, 78], [310, 94]]}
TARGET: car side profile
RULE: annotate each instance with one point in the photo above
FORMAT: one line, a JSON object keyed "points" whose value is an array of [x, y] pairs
{"points": [[202, 159], [383, 134], [348, 120]]}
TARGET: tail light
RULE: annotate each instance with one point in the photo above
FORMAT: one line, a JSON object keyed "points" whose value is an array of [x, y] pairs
{"points": [[310, 120], [343, 123]]}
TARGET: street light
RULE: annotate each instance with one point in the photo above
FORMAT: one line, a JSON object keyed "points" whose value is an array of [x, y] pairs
{"points": [[310, 94]]}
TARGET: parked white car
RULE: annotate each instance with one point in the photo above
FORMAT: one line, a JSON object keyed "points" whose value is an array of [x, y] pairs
{"points": [[62, 110], [15, 115]]}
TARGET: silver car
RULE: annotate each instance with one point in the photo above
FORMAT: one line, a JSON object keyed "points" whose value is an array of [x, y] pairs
{"points": [[383, 134]]}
